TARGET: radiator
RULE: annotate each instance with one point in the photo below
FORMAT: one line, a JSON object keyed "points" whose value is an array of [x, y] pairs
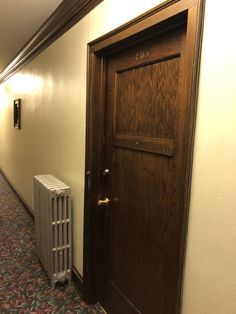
{"points": [[52, 203]]}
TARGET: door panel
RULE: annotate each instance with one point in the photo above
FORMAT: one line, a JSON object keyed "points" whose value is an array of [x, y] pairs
{"points": [[146, 99], [143, 145]]}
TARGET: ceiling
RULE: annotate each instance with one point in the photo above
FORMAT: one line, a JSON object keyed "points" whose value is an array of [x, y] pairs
{"points": [[19, 20]]}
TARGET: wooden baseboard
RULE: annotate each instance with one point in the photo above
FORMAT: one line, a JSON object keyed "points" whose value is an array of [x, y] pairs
{"points": [[76, 277], [78, 281], [23, 202]]}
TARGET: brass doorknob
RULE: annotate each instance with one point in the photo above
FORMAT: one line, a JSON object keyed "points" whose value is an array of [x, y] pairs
{"points": [[104, 202]]}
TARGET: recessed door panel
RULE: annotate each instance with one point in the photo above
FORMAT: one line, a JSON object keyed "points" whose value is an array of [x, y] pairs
{"points": [[147, 99]]}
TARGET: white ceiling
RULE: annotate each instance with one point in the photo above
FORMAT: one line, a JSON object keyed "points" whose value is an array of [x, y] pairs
{"points": [[19, 20]]}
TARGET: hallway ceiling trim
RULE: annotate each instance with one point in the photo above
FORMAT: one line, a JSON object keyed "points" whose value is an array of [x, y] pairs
{"points": [[68, 13]]}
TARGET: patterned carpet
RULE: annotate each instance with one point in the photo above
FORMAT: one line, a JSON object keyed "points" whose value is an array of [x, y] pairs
{"points": [[24, 286]]}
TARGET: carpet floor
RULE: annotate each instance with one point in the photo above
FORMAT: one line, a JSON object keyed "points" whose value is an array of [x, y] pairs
{"points": [[24, 286]]}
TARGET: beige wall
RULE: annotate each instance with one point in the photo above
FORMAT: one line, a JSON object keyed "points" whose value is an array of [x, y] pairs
{"points": [[52, 140], [210, 275], [53, 92]]}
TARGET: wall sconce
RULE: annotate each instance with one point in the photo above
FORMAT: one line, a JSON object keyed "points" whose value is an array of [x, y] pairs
{"points": [[17, 113]]}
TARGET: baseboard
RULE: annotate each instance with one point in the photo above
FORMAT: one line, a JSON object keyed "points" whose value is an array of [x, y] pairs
{"points": [[76, 277], [22, 201], [78, 281]]}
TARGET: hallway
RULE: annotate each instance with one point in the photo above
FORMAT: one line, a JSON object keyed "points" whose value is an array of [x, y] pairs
{"points": [[24, 286]]}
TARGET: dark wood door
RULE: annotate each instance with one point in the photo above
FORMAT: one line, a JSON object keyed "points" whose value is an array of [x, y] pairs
{"points": [[144, 135]]}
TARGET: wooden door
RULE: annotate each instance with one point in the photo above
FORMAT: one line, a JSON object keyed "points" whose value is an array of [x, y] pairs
{"points": [[144, 145], [139, 146]]}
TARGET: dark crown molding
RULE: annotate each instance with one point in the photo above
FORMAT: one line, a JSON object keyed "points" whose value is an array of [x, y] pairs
{"points": [[68, 13]]}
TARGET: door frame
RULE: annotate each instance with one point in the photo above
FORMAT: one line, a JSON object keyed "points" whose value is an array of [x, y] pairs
{"points": [[170, 14]]}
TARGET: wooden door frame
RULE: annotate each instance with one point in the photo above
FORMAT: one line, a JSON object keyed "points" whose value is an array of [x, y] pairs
{"points": [[170, 14]]}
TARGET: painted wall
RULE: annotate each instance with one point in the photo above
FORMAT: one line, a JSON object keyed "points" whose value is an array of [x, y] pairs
{"points": [[210, 275], [52, 140], [53, 92]]}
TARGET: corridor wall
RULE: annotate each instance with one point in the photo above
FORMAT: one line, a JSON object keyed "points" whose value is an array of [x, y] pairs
{"points": [[52, 140]]}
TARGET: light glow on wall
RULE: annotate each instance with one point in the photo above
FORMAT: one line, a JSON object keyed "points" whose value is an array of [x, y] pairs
{"points": [[23, 83], [3, 97]]}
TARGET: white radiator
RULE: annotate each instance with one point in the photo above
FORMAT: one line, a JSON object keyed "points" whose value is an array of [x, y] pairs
{"points": [[52, 204]]}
